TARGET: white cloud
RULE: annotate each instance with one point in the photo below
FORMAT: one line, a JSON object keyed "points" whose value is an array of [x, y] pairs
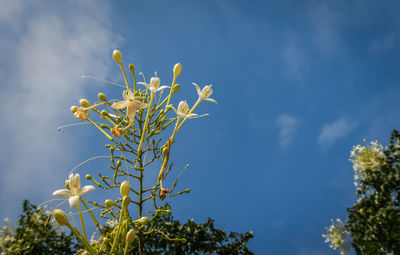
{"points": [[332, 132], [287, 125], [41, 80], [295, 59]]}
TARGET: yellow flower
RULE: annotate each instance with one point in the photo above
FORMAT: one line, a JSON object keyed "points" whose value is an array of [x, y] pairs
{"points": [[116, 131], [82, 113]]}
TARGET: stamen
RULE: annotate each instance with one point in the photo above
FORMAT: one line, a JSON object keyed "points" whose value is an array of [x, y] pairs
{"points": [[99, 79]]}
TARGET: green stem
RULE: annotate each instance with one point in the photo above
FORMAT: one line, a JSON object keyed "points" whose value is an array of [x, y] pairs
{"points": [[191, 110], [126, 80], [82, 223], [146, 123], [94, 124], [85, 243], [91, 214]]}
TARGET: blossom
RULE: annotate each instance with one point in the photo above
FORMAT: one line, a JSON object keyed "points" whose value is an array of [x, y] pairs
{"points": [[74, 191], [116, 131], [130, 103], [183, 111], [205, 93], [338, 236], [366, 157], [154, 85], [82, 113]]}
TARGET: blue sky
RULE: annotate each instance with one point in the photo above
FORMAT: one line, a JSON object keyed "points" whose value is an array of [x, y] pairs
{"points": [[298, 83]]}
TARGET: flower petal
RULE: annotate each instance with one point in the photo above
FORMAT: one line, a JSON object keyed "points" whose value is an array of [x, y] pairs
{"points": [[131, 112], [210, 100], [130, 95], [62, 193], [77, 181], [144, 84], [121, 104], [73, 201], [163, 87], [141, 105], [86, 189], [197, 88]]}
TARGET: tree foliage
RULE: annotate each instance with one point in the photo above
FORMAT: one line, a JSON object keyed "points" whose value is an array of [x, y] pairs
{"points": [[200, 238], [373, 223], [31, 236]]}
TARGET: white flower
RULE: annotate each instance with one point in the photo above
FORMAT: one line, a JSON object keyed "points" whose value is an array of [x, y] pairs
{"points": [[154, 85], [205, 93], [183, 111], [130, 103], [75, 190]]}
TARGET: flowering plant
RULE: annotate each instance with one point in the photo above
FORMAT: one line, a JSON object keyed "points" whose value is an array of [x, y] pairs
{"points": [[134, 128]]}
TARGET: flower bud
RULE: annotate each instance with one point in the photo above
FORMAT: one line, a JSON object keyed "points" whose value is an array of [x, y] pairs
{"points": [[125, 201], [66, 183], [74, 108], [177, 69], [88, 177], [61, 217], [84, 103], [109, 203], [132, 68], [112, 150], [102, 97], [130, 236], [125, 188], [176, 88], [105, 126], [104, 113], [117, 56], [143, 221], [155, 82], [118, 164]]}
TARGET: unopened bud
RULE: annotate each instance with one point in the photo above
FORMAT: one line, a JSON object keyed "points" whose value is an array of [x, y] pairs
{"points": [[143, 221], [84, 103], [74, 108], [130, 236], [61, 217], [117, 56], [109, 203], [176, 88], [112, 150], [66, 183], [118, 163], [183, 240], [177, 69], [102, 97], [132, 68], [104, 113], [125, 188], [88, 176], [125, 201]]}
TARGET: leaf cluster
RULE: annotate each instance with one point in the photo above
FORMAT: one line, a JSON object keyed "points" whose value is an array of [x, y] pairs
{"points": [[31, 236], [200, 238], [374, 221]]}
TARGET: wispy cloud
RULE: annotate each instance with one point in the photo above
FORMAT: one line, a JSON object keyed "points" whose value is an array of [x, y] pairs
{"points": [[332, 132], [42, 77], [287, 125], [295, 59]]}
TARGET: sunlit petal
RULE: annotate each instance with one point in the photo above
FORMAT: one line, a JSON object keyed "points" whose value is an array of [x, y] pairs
{"points": [[73, 201], [86, 189], [62, 193]]}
